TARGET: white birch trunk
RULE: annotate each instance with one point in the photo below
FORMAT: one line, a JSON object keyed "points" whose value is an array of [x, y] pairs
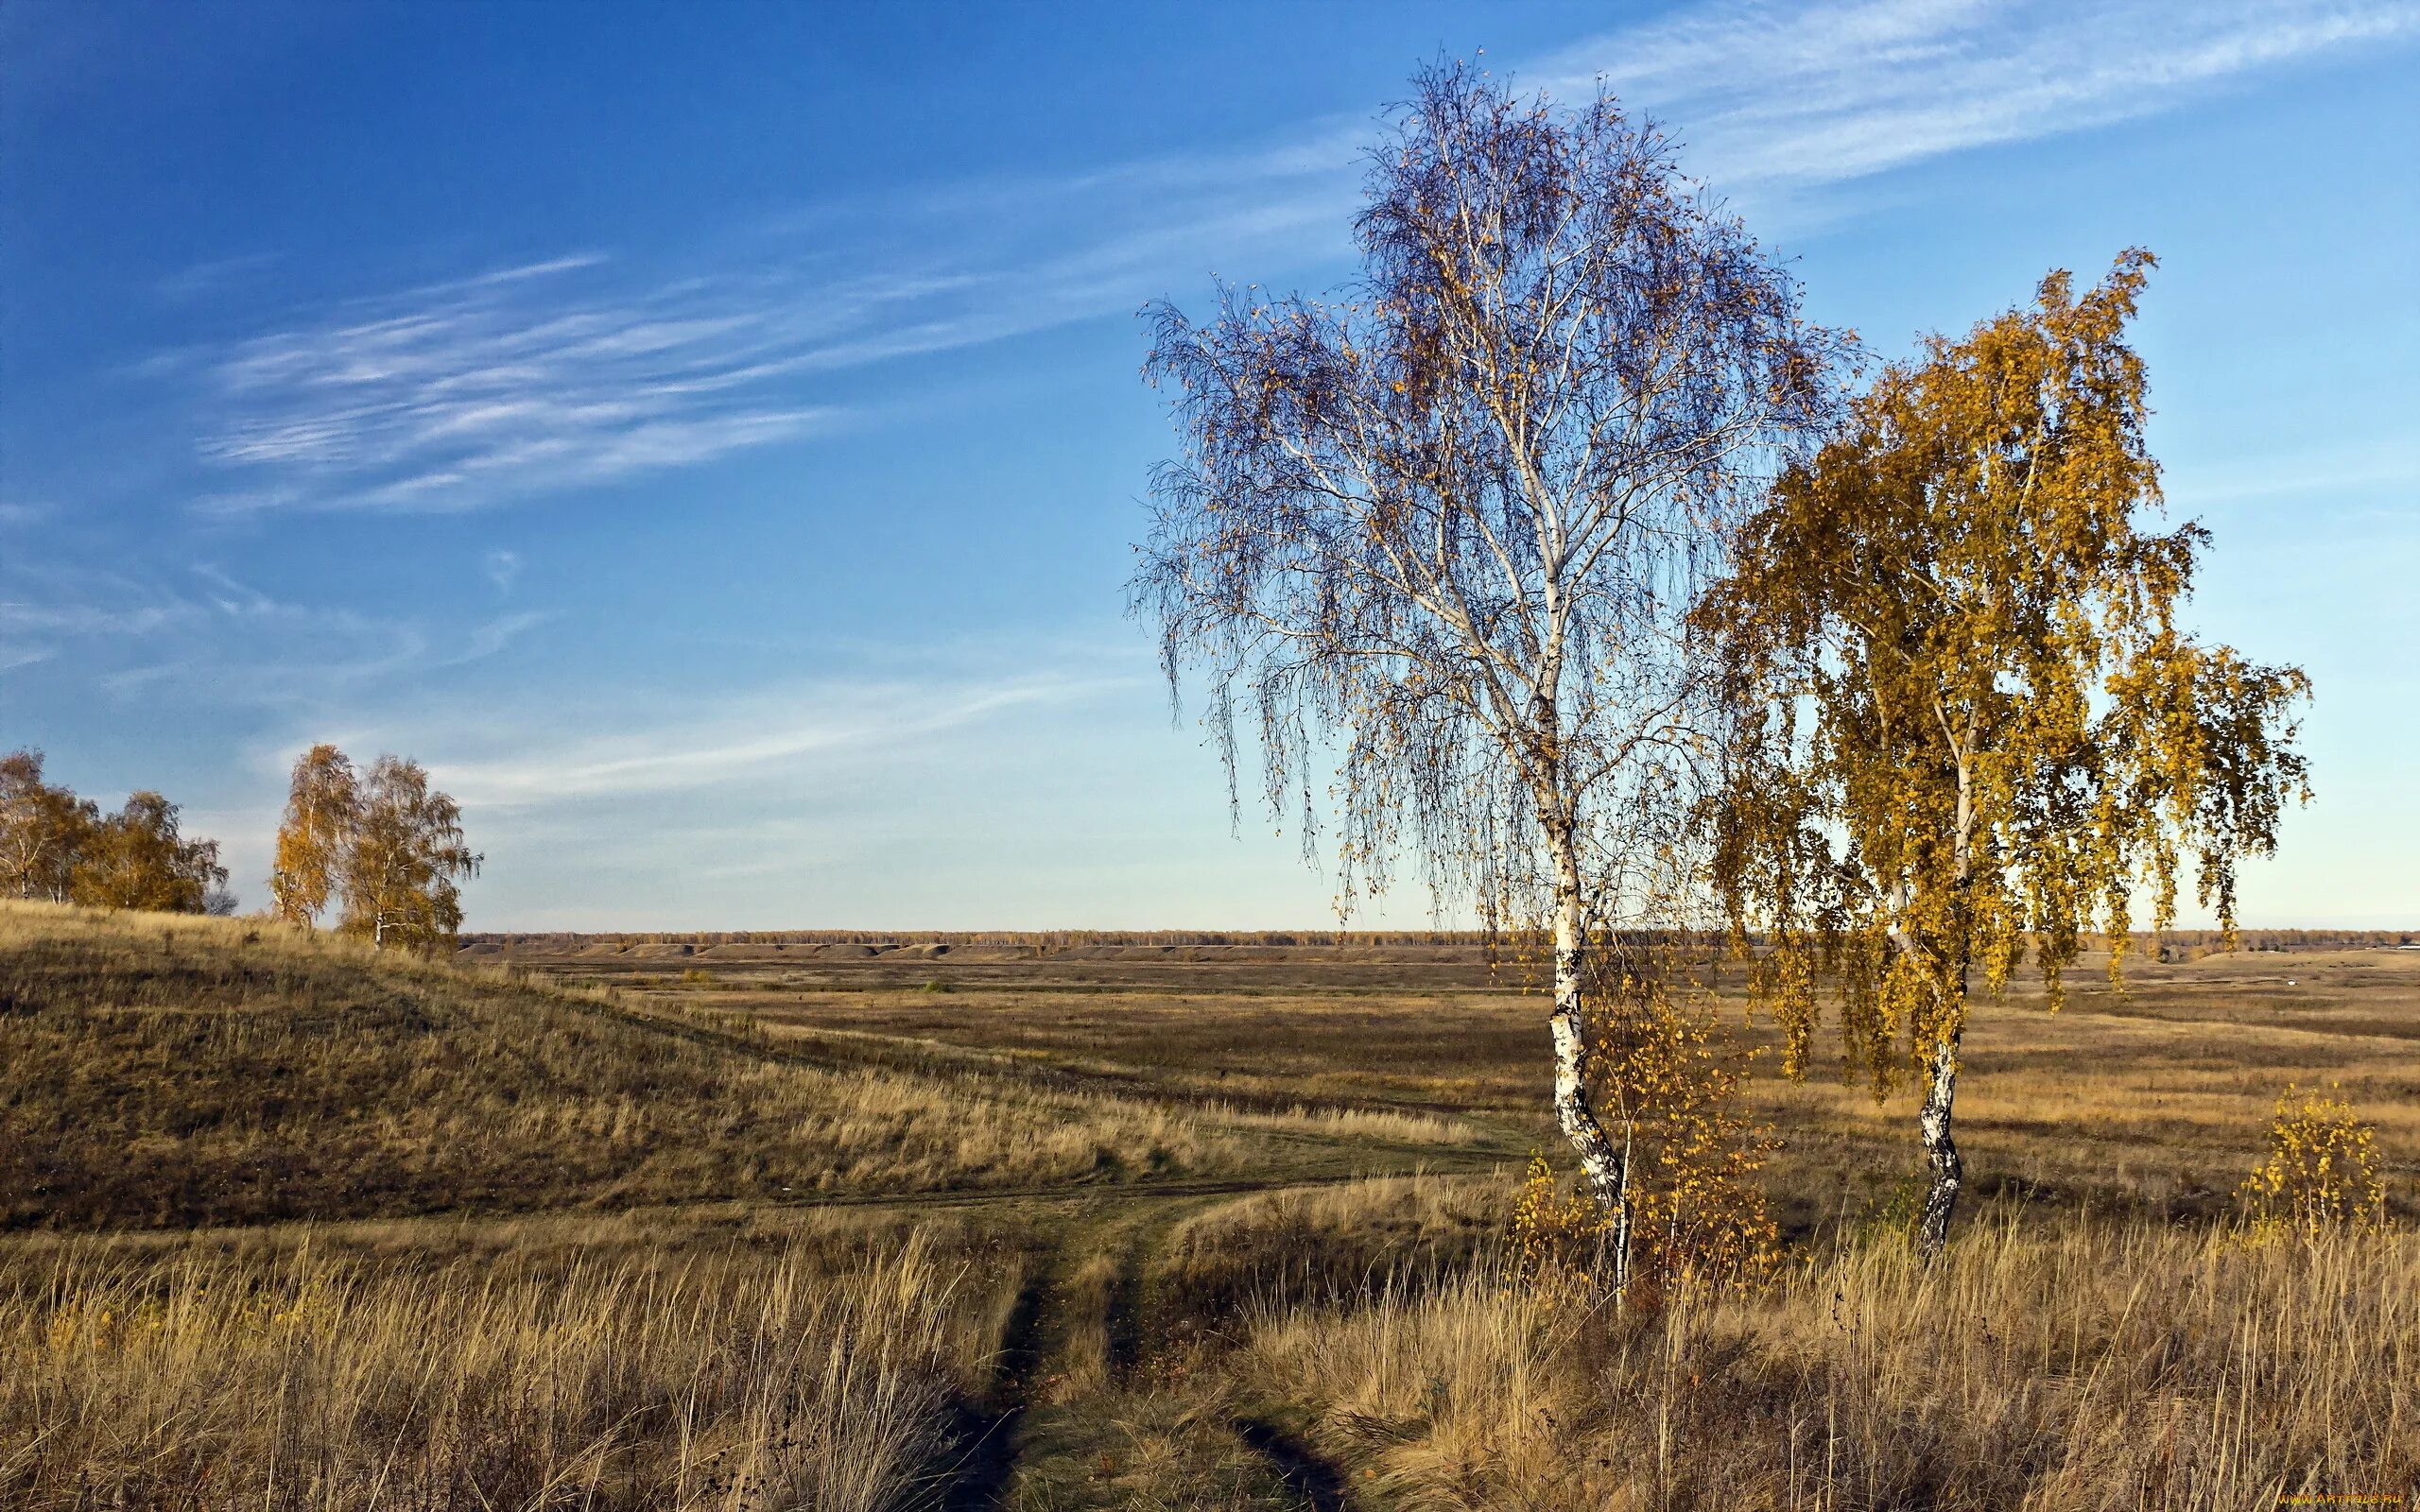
{"points": [[1933, 1118], [1941, 1149], [1604, 1166]]}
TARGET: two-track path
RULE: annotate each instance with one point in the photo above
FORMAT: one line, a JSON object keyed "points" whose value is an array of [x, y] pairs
{"points": [[1074, 1391]]}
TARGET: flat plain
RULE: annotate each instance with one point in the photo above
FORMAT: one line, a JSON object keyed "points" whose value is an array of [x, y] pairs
{"points": [[2147, 1096], [1037, 1224]]}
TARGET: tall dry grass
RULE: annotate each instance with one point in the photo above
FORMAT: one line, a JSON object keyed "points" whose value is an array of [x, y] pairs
{"points": [[1322, 1247], [189, 1380], [2083, 1368]]}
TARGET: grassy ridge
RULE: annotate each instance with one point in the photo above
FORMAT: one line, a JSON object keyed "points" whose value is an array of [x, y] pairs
{"points": [[185, 1073]]}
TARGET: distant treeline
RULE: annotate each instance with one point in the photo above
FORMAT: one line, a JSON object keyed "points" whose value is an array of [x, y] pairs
{"points": [[2282, 940], [2186, 943]]}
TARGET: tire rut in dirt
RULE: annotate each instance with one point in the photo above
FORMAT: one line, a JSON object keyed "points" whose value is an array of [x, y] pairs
{"points": [[1305, 1472], [1127, 1305], [979, 1478]]}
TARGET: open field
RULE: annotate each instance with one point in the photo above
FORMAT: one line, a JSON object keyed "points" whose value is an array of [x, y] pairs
{"points": [[576, 1225], [2152, 1098], [179, 1073]]}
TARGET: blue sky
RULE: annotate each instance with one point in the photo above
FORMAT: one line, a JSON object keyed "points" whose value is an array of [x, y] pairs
{"points": [[711, 437]]}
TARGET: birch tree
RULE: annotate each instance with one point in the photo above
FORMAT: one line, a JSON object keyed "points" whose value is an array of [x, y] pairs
{"points": [[1445, 527], [1970, 724], [140, 858], [322, 810], [405, 860], [41, 827]]}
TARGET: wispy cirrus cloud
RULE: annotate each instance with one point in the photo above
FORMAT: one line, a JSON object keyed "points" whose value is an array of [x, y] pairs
{"points": [[748, 736], [2361, 477], [575, 370], [73, 604], [488, 639], [582, 794], [537, 378], [459, 395], [208, 636], [663, 745], [201, 280], [1770, 99]]}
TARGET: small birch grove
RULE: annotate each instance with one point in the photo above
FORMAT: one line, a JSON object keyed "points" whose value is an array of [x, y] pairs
{"points": [[383, 845], [61, 848]]}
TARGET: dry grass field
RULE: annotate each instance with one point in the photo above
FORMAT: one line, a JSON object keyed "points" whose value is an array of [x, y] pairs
{"points": [[847, 1224], [2150, 1099]]}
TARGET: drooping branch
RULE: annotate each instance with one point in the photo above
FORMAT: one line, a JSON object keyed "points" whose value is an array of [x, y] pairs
{"points": [[1451, 522]]}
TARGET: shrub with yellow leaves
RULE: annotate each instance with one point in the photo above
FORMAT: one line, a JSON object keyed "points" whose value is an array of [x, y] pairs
{"points": [[1559, 1238], [2321, 1170], [1672, 1081], [1669, 1089]]}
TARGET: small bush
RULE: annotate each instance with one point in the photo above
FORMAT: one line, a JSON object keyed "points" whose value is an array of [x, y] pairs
{"points": [[1558, 1241], [2322, 1169]]}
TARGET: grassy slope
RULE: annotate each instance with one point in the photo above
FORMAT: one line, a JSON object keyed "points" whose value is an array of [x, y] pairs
{"points": [[187, 1071]]}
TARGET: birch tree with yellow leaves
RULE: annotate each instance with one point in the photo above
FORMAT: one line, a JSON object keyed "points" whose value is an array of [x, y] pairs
{"points": [[404, 861], [1444, 529], [322, 811], [1969, 724], [382, 843], [42, 827]]}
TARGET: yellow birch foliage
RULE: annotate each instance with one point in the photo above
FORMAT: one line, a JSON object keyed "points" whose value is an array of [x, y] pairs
{"points": [[1557, 1237], [1669, 1088], [404, 861], [322, 809], [1969, 724], [2321, 1170]]}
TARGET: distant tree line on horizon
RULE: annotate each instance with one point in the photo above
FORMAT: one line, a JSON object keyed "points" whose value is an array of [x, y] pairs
{"points": [[2172, 943]]}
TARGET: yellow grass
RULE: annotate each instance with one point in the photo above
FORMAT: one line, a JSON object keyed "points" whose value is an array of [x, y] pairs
{"points": [[188, 1381], [2076, 1367], [177, 1072]]}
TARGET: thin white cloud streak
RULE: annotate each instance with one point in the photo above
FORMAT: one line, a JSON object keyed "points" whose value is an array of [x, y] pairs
{"points": [[220, 641], [488, 639], [752, 736], [42, 609], [2357, 470], [1769, 97], [570, 372], [233, 598], [207, 278]]}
